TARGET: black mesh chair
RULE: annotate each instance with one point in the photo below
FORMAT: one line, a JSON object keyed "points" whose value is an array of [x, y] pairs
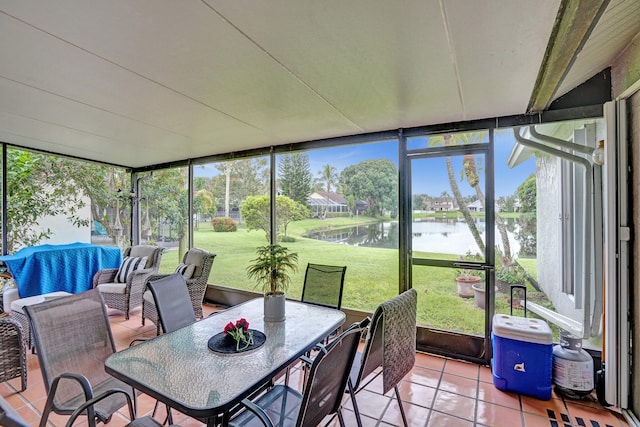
{"points": [[323, 285], [172, 302], [136, 422], [391, 344], [73, 339], [173, 307], [328, 376]]}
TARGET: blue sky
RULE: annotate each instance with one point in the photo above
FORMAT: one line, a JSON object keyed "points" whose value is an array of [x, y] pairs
{"points": [[429, 175]]}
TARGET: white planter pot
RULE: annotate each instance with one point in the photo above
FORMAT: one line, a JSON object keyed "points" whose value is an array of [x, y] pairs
{"points": [[274, 307]]}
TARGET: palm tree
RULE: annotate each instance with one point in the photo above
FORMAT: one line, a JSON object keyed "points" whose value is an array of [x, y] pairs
{"points": [[473, 179], [328, 176]]}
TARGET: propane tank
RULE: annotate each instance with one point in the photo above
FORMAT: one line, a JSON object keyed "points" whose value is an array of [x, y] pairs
{"points": [[572, 367]]}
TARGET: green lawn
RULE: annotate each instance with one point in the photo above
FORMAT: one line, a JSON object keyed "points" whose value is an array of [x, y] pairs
{"points": [[371, 277]]}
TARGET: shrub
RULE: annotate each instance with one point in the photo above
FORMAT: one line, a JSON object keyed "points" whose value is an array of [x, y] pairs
{"points": [[224, 224]]}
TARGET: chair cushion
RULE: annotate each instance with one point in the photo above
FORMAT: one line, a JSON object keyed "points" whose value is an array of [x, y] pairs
{"points": [[186, 270], [195, 256], [112, 288], [128, 266], [148, 296], [19, 304]]}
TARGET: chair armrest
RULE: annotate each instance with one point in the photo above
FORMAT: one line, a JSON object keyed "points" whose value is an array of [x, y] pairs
{"points": [[137, 280], [81, 379], [82, 408], [106, 275], [137, 340], [258, 411]]}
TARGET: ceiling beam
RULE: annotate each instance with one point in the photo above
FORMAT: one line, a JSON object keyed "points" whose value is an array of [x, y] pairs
{"points": [[575, 21]]}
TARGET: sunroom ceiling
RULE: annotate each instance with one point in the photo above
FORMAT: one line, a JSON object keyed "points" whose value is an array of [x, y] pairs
{"points": [[138, 83]]}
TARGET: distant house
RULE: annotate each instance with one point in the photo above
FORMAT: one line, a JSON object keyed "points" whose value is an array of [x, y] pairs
{"points": [[476, 206], [441, 204], [322, 202]]}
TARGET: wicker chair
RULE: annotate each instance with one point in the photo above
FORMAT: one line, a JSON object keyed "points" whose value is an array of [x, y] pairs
{"points": [[197, 285], [125, 296], [13, 358]]}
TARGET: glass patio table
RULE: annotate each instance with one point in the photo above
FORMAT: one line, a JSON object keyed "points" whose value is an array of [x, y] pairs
{"points": [[180, 370]]}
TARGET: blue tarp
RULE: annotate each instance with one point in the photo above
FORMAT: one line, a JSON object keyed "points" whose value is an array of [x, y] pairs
{"points": [[42, 269]]}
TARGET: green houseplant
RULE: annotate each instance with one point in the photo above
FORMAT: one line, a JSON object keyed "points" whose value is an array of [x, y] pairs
{"points": [[272, 269]]}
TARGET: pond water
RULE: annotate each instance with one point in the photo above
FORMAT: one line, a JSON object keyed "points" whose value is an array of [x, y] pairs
{"points": [[438, 235]]}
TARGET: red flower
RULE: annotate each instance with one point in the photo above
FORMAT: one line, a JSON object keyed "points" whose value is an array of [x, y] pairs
{"points": [[240, 333], [229, 328], [242, 324]]}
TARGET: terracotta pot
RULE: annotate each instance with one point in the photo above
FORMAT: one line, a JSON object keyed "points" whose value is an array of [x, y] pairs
{"points": [[479, 293], [465, 284]]}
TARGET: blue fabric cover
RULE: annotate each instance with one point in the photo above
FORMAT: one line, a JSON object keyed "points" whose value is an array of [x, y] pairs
{"points": [[48, 268]]}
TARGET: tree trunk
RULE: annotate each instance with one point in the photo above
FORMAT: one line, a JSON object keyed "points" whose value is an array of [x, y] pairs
{"points": [[227, 189], [463, 208], [471, 173]]}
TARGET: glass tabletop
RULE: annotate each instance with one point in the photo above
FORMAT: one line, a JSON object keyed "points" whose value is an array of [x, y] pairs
{"points": [[179, 369]]}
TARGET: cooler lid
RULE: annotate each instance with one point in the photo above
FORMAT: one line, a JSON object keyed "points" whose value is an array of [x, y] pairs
{"points": [[522, 329]]}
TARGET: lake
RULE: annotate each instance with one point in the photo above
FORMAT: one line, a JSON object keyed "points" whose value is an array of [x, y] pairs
{"points": [[438, 235]]}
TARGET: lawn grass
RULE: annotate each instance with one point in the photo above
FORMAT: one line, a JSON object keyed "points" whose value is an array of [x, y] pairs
{"points": [[372, 274]]}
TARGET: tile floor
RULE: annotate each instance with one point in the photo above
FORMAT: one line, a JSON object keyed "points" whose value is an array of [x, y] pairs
{"points": [[438, 392]]}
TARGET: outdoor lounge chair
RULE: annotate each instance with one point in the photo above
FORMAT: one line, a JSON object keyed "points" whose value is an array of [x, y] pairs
{"points": [[122, 287]]}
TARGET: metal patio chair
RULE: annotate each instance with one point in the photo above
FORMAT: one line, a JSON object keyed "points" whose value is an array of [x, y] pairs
{"points": [[73, 339], [323, 392], [390, 344], [196, 284], [172, 304], [323, 285], [9, 417]]}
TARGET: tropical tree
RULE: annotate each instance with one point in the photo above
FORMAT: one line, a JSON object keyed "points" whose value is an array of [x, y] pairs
{"points": [[165, 197], [374, 181], [202, 203], [328, 177], [42, 185], [256, 211], [470, 173], [238, 180], [295, 176]]}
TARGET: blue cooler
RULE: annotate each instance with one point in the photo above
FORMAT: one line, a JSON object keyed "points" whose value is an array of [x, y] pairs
{"points": [[522, 355]]}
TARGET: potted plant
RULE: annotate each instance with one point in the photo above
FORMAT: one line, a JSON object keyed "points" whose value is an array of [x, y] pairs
{"points": [[466, 278], [272, 271], [509, 275]]}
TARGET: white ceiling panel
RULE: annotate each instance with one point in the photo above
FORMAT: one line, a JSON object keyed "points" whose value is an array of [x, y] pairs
{"points": [[144, 82]]}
